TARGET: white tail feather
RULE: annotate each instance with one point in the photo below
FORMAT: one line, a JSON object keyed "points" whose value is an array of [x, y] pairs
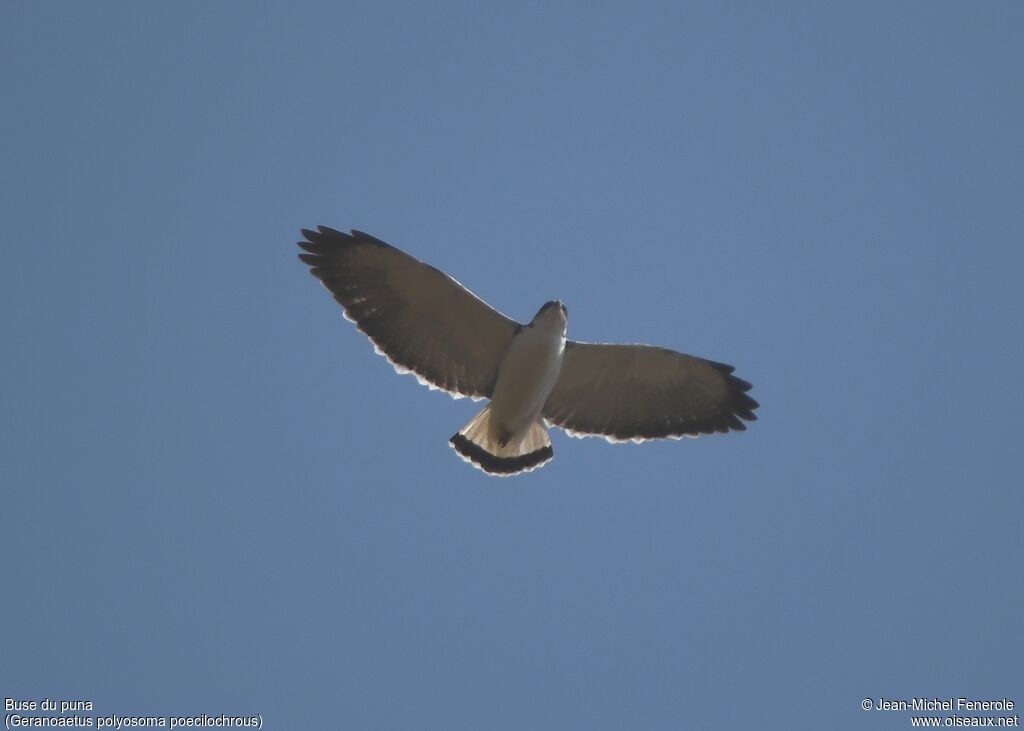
{"points": [[474, 444]]}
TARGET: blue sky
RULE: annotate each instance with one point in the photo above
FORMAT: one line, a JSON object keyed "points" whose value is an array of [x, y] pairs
{"points": [[216, 499]]}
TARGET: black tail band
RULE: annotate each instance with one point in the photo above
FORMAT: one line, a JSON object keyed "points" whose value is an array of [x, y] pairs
{"points": [[500, 465]]}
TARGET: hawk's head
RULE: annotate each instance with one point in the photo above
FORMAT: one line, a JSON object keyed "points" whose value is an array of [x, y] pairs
{"points": [[552, 304], [552, 315]]}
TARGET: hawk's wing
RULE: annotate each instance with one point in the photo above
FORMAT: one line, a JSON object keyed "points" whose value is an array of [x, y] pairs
{"points": [[638, 392], [417, 316]]}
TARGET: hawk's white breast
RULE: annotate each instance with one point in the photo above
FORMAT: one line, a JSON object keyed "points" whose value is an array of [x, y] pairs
{"points": [[527, 374]]}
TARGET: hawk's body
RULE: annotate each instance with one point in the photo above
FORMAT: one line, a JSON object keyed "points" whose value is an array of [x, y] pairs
{"points": [[527, 374], [425, 322]]}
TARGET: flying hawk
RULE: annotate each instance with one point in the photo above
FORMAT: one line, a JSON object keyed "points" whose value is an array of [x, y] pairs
{"points": [[426, 323]]}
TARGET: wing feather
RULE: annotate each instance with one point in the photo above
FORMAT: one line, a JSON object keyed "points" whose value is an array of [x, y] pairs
{"points": [[640, 392], [418, 317]]}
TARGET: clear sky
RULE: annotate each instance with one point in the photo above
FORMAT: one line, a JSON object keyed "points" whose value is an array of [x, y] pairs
{"points": [[217, 499]]}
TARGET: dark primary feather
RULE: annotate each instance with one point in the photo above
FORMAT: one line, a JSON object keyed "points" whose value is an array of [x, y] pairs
{"points": [[419, 317], [639, 392]]}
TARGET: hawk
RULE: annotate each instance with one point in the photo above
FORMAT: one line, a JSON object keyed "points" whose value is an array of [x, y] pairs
{"points": [[426, 323]]}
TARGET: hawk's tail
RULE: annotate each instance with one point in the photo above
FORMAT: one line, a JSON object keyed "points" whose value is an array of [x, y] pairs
{"points": [[475, 446]]}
